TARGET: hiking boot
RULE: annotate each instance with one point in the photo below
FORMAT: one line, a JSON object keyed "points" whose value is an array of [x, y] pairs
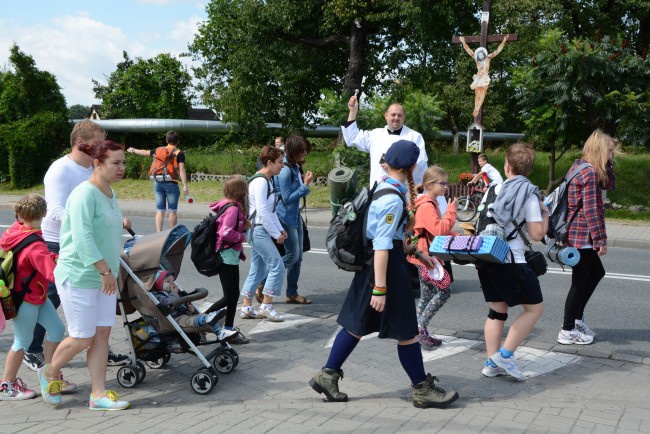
{"points": [[15, 390], [33, 360], [107, 401], [575, 336], [327, 381], [427, 394], [582, 327], [116, 359], [507, 363]]}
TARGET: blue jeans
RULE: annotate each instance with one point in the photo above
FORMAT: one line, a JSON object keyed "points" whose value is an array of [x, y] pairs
{"points": [[167, 194], [265, 254], [39, 332], [293, 257]]}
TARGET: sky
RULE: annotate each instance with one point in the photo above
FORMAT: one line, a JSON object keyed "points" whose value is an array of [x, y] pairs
{"points": [[78, 41]]}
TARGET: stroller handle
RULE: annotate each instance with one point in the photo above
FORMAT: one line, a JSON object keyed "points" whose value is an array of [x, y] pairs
{"points": [[197, 294]]}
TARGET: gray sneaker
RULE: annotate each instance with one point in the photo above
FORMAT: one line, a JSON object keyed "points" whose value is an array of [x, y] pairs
{"points": [[428, 395], [327, 381], [508, 363]]}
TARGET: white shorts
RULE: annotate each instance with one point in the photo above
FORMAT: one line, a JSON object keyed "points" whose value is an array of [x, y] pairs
{"points": [[85, 309]]}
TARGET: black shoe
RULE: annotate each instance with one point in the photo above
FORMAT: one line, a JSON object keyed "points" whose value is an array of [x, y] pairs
{"points": [[115, 359], [240, 339], [34, 361]]}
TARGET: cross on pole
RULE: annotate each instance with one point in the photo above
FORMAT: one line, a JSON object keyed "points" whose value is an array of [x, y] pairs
{"points": [[483, 39]]}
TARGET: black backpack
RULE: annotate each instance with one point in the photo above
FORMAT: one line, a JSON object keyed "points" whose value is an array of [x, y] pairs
{"points": [[346, 239], [484, 215], [205, 257], [558, 207]]}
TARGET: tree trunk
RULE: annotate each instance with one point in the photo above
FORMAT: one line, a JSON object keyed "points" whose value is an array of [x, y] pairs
{"points": [[357, 61], [551, 171]]}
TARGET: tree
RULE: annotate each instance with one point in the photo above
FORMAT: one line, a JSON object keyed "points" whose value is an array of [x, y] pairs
{"points": [[576, 85], [146, 88], [33, 120], [78, 111]]}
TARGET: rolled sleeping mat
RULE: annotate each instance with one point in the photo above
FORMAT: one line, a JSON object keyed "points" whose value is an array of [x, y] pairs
{"points": [[342, 184]]}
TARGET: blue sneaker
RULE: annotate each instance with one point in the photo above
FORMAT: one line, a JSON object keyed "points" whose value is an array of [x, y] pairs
{"points": [[508, 364], [107, 402], [50, 389]]}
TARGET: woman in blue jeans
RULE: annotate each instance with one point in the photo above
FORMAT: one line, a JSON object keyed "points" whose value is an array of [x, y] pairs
{"points": [[265, 227], [292, 189]]}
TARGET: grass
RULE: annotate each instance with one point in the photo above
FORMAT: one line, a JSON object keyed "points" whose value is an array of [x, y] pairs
{"points": [[633, 173]]}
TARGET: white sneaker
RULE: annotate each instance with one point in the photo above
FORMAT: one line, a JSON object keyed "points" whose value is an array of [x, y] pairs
{"points": [[574, 336], [268, 311], [508, 364], [249, 312], [582, 327], [224, 335], [493, 371]]}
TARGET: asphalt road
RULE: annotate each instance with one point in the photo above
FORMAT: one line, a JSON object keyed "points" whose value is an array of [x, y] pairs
{"points": [[618, 311]]}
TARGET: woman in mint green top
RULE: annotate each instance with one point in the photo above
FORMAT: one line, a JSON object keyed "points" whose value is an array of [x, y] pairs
{"points": [[91, 243]]}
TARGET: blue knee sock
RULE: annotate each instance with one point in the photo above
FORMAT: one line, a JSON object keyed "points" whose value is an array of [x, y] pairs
{"points": [[199, 321], [410, 356], [506, 353], [344, 344]]}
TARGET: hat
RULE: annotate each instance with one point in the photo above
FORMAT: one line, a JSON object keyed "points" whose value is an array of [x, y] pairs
{"points": [[402, 154], [160, 278]]}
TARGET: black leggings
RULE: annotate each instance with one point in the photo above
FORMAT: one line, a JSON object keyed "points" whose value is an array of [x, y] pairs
{"points": [[229, 277], [584, 279]]}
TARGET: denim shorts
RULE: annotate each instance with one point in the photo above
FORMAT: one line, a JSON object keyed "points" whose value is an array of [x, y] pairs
{"points": [[167, 194]]}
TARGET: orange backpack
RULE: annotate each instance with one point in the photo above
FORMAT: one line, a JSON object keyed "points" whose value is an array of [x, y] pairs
{"points": [[165, 165]]}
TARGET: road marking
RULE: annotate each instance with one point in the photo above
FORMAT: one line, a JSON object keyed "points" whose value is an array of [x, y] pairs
{"points": [[290, 320]]}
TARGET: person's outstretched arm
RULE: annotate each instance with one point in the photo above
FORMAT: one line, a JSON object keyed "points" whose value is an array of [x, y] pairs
{"points": [[498, 50], [466, 47], [142, 152]]}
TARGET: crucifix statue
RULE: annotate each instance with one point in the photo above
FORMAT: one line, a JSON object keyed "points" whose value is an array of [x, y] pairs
{"points": [[481, 78]]}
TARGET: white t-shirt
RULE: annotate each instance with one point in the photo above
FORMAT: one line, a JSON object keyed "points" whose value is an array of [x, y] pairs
{"points": [[492, 173], [262, 205], [532, 213], [61, 178]]}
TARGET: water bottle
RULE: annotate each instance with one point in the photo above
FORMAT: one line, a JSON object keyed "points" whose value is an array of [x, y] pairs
{"points": [[4, 291], [7, 301]]}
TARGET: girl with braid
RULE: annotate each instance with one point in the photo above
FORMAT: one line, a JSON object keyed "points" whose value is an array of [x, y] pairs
{"points": [[380, 297]]}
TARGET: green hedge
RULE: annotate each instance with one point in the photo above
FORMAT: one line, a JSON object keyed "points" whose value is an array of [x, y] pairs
{"points": [[31, 145]]}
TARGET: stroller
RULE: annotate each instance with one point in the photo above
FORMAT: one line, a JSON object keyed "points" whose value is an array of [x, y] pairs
{"points": [[156, 335]]}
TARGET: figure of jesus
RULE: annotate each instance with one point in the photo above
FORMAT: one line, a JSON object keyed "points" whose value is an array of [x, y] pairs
{"points": [[481, 78]]}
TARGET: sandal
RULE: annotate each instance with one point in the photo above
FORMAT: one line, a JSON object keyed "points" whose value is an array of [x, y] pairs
{"points": [[258, 293], [298, 299]]}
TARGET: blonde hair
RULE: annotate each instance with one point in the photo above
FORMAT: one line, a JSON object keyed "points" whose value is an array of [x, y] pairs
{"points": [[84, 130], [595, 152], [432, 174], [31, 207], [521, 158]]}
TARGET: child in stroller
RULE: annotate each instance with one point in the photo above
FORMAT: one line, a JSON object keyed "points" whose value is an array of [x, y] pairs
{"points": [[166, 292]]}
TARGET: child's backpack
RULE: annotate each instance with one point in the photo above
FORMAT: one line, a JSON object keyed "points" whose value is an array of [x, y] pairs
{"points": [[485, 210], [164, 166], [558, 207], [346, 239], [205, 257], [8, 261]]}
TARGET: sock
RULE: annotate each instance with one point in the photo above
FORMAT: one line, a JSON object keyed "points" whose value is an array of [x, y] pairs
{"points": [[199, 321], [490, 363], [506, 353], [344, 344], [410, 356], [266, 306]]}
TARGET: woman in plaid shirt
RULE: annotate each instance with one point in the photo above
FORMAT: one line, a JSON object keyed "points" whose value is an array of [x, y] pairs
{"points": [[587, 233]]}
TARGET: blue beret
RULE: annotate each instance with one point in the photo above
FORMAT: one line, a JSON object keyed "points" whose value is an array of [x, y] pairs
{"points": [[402, 154]]}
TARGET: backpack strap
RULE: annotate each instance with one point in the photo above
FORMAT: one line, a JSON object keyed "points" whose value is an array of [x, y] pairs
{"points": [[568, 180], [221, 211], [29, 239], [373, 194], [270, 187]]}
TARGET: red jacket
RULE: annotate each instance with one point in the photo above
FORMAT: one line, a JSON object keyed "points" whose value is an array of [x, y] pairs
{"points": [[429, 223], [33, 257]]}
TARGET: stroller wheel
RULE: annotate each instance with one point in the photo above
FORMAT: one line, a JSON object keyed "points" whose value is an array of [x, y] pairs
{"points": [[203, 381], [142, 372], [224, 362], [234, 355], [157, 364], [127, 376]]}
